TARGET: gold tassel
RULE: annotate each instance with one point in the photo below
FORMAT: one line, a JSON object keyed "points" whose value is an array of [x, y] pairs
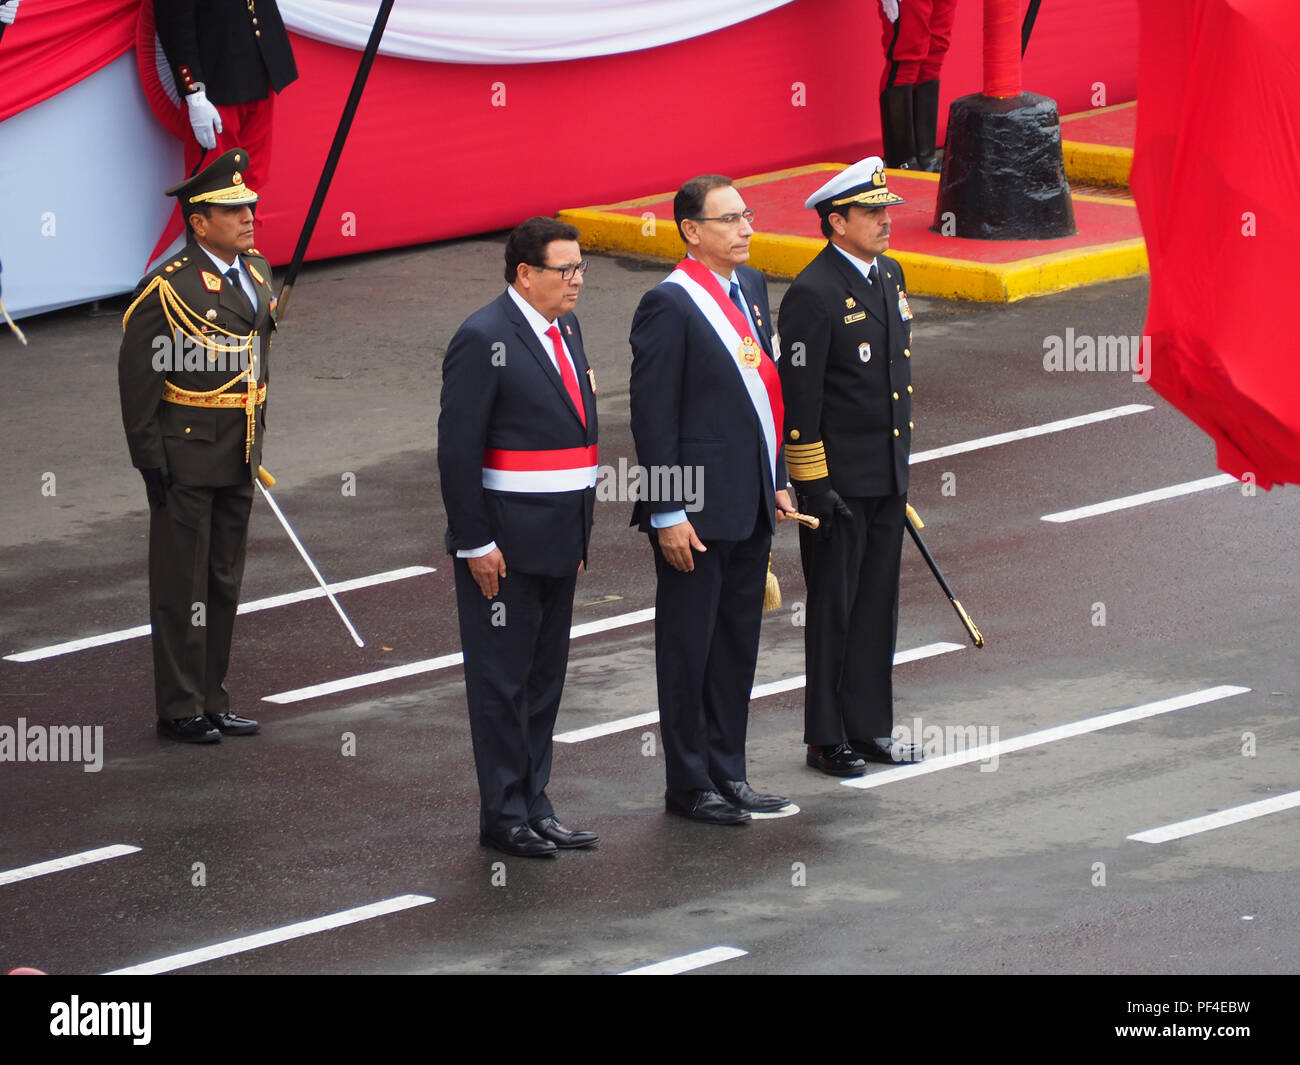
{"points": [[771, 593], [12, 324]]}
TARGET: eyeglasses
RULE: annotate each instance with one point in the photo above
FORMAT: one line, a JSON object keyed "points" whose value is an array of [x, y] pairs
{"points": [[731, 219], [567, 272]]}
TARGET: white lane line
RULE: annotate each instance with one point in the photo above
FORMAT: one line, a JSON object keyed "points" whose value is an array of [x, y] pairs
{"points": [[775, 687], [687, 962], [70, 861], [1047, 735], [608, 728], [251, 607], [1219, 819], [1142, 498], [273, 935], [1024, 434], [429, 665]]}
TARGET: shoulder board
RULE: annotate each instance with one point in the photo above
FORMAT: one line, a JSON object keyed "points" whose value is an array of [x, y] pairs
{"points": [[157, 280]]}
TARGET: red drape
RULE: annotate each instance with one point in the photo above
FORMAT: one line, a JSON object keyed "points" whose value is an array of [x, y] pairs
{"points": [[55, 43], [1216, 175]]}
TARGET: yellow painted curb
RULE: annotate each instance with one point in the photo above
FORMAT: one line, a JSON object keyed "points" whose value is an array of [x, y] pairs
{"points": [[927, 275], [1097, 164]]}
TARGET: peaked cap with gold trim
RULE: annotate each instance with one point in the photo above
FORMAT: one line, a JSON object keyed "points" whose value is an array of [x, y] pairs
{"points": [[862, 184], [221, 183]]}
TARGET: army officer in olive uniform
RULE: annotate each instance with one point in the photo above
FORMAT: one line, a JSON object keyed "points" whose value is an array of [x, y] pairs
{"points": [[846, 329], [192, 372]]}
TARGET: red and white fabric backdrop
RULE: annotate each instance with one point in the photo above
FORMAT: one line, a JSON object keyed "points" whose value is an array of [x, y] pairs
{"points": [[477, 114]]}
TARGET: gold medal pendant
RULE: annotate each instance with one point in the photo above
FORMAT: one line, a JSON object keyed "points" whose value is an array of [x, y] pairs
{"points": [[751, 355]]}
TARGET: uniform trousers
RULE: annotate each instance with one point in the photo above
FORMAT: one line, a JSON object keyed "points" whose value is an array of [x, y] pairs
{"points": [[851, 623], [915, 45], [196, 565]]}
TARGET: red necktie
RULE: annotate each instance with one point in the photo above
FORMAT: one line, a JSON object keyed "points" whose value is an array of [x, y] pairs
{"points": [[567, 375]]}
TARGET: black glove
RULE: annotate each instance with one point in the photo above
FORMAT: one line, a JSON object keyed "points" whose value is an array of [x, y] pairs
{"points": [[156, 483], [827, 506]]}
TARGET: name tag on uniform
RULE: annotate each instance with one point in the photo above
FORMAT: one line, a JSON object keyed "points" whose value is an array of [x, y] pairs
{"points": [[849, 319]]}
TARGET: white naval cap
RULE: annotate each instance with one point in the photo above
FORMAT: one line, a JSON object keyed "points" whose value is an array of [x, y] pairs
{"points": [[863, 183]]}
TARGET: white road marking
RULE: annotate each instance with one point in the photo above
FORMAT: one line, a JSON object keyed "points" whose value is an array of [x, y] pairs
{"points": [[1024, 434], [775, 687], [273, 935], [430, 665], [687, 962], [70, 861], [788, 810], [608, 728], [1142, 498], [251, 607], [1047, 735], [1219, 819]]}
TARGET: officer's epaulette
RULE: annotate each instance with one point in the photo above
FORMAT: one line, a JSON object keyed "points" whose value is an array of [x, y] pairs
{"points": [[155, 279], [163, 270], [158, 277]]}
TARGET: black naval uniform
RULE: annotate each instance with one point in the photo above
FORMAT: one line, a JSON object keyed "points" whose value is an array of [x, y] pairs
{"points": [[845, 376], [194, 422]]}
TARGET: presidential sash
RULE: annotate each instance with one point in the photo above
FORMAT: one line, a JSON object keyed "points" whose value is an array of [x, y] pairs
{"points": [[757, 372]]}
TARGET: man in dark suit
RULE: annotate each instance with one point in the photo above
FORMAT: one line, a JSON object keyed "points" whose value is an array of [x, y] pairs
{"points": [[192, 373], [706, 413], [517, 459], [846, 332]]}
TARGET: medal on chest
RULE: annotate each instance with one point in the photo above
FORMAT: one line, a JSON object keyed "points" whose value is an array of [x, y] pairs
{"points": [[864, 352], [751, 355], [904, 311]]}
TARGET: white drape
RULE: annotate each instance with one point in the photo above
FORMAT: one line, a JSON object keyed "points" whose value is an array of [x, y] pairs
{"points": [[516, 31]]}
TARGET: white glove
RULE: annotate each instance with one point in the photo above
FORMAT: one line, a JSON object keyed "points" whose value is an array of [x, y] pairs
{"points": [[204, 119], [890, 8], [8, 12]]}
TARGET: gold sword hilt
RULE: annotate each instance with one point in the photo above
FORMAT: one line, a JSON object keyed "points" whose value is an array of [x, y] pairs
{"points": [[807, 520]]}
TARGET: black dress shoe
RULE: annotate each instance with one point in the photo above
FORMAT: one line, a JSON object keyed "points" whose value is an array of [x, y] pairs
{"points": [[188, 729], [838, 760], [739, 793], [233, 725], [706, 806], [564, 838], [888, 753], [520, 841]]}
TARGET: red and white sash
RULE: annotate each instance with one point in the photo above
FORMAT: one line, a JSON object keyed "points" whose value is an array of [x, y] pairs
{"points": [[759, 375], [569, 469]]}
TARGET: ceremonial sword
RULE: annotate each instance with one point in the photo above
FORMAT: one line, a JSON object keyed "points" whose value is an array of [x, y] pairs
{"points": [[913, 524], [265, 481]]}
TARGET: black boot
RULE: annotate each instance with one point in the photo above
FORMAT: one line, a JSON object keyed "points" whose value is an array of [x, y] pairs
{"points": [[925, 123], [896, 127]]}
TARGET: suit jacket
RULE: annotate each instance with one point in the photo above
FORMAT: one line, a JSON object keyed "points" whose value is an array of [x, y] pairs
{"points": [[216, 42], [202, 446], [500, 389], [846, 378], [690, 410]]}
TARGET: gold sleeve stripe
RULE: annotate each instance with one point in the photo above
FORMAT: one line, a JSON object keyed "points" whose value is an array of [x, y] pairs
{"points": [[806, 451], [812, 471]]}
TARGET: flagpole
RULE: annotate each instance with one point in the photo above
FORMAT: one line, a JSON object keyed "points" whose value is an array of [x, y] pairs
{"points": [[336, 150]]}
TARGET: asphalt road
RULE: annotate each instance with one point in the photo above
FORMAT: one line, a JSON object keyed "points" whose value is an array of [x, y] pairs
{"points": [[1023, 866]]}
